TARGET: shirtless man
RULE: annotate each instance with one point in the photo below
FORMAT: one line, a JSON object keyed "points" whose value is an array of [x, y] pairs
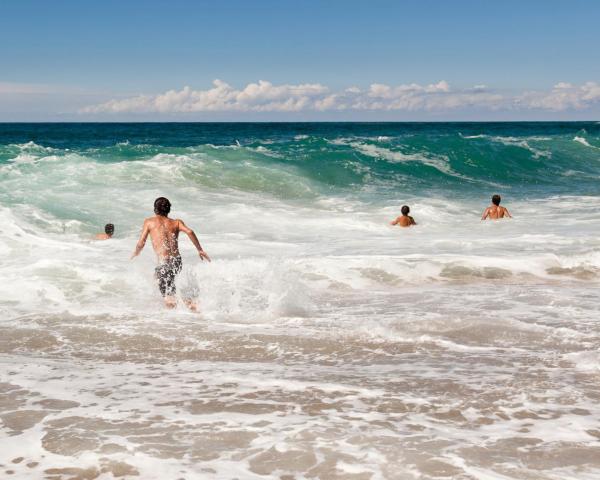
{"points": [[109, 230], [495, 211], [164, 233], [405, 220]]}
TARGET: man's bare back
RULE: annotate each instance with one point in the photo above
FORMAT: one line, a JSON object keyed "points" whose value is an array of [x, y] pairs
{"points": [[495, 211], [109, 230], [404, 220], [164, 233]]}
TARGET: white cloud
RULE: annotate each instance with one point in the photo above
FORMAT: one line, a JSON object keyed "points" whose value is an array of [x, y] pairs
{"points": [[264, 96], [261, 96], [563, 96], [433, 97], [330, 102]]}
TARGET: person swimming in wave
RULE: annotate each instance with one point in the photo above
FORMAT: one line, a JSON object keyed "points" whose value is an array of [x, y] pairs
{"points": [[404, 220], [495, 211], [109, 230], [164, 233]]}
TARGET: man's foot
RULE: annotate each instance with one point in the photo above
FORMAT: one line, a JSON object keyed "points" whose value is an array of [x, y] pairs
{"points": [[170, 302], [191, 304]]}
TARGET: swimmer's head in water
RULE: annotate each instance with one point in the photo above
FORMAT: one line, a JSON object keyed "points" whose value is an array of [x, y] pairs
{"points": [[109, 229], [496, 200], [405, 210], [162, 206]]}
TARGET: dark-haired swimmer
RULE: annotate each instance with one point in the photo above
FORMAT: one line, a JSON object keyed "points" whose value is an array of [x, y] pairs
{"points": [[164, 233], [405, 220], [495, 211], [109, 230]]}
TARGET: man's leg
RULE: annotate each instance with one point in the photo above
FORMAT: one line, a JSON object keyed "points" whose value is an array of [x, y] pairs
{"points": [[165, 278], [173, 269], [191, 304], [170, 299]]}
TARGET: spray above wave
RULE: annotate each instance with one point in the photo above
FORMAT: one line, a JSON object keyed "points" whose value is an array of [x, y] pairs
{"points": [[438, 162], [584, 142], [517, 142]]}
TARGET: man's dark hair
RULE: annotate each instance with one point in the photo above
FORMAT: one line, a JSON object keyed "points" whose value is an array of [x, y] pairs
{"points": [[162, 206], [109, 229], [496, 200], [405, 210]]}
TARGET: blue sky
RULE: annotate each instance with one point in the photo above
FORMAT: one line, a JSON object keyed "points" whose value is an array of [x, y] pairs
{"points": [[91, 60]]}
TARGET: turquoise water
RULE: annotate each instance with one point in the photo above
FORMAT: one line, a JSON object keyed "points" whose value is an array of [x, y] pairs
{"points": [[329, 344], [372, 163], [527, 159]]}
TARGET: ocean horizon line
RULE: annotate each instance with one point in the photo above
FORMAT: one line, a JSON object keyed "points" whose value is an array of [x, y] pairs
{"points": [[286, 122]]}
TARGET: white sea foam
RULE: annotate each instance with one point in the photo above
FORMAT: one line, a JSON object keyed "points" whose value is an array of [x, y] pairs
{"points": [[522, 142], [439, 162], [473, 136], [587, 361], [265, 151], [583, 141]]}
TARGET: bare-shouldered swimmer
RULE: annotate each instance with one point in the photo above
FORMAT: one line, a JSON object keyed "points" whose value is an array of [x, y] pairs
{"points": [[495, 211], [109, 231], [404, 220], [164, 233]]}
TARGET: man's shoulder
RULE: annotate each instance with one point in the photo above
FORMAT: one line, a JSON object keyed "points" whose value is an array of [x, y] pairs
{"points": [[150, 222]]}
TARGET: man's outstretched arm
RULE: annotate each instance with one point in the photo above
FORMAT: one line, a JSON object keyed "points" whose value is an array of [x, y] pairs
{"points": [[190, 233], [395, 222], [486, 212], [142, 241], [507, 213]]}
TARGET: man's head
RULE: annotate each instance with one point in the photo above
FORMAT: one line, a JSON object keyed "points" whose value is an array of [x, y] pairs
{"points": [[405, 210], [496, 200], [162, 206], [109, 229]]}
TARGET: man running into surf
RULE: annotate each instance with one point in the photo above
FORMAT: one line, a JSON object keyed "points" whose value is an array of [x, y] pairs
{"points": [[164, 233], [495, 211]]}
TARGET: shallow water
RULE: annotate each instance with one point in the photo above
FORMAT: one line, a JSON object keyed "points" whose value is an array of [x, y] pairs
{"points": [[329, 344]]}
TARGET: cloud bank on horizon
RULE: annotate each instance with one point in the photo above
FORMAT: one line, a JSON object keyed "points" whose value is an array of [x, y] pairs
{"points": [[265, 96]]}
